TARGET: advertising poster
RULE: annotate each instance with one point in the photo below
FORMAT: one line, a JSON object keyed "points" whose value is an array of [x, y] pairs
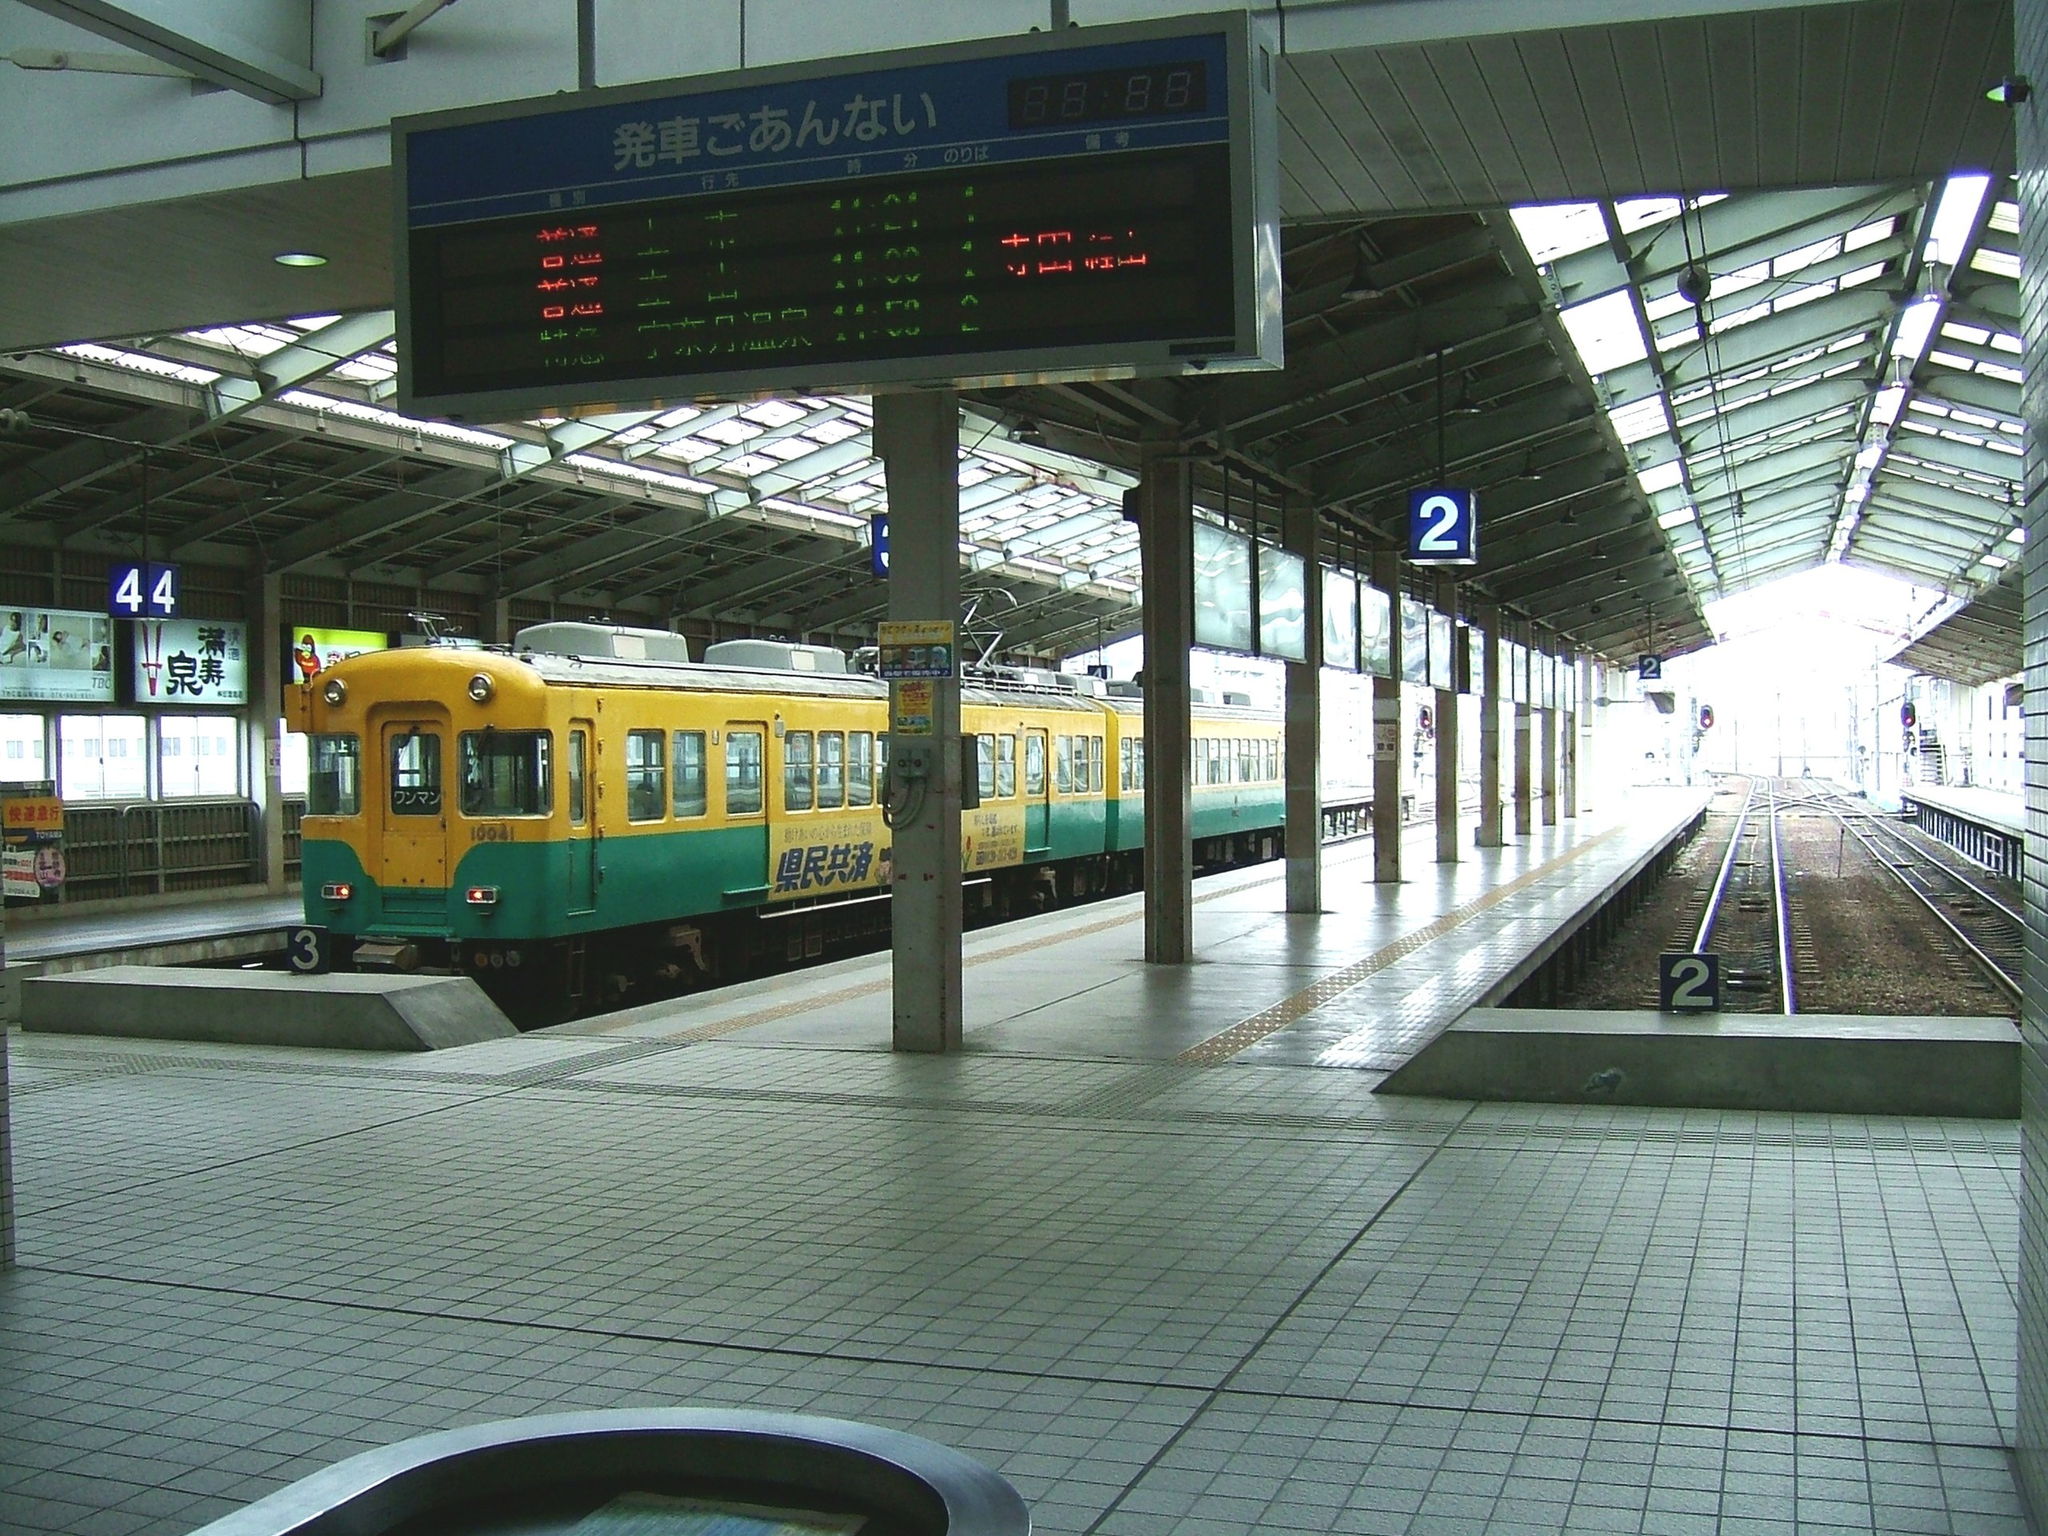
{"points": [[313, 650], [190, 661], [1375, 631], [60, 655], [31, 846]]}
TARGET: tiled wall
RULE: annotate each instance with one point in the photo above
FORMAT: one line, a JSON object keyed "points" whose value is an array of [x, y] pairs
{"points": [[2031, 59]]}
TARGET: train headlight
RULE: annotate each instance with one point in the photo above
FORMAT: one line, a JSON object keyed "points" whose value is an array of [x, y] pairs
{"points": [[481, 687], [334, 691]]}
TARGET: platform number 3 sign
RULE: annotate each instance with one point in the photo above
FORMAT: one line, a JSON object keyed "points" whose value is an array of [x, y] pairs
{"points": [[136, 591], [1443, 527], [1689, 983], [307, 952]]}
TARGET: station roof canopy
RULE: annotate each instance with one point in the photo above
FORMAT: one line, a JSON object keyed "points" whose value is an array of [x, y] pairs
{"points": [[1977, 642]]}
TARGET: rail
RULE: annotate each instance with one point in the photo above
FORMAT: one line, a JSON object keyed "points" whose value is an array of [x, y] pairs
{"points": [[1713, 911], [1989, 963], [1786, 990]]}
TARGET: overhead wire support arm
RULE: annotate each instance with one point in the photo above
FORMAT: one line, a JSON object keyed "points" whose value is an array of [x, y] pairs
{"points": [[389, 38]]}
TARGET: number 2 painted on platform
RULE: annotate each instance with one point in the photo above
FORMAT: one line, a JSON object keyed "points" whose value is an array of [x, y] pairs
{"points": [[1441, 537]]}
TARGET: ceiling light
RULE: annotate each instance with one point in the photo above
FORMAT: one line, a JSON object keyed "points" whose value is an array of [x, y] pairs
{"points": [[2010, 91], [1955, 216], [299, 259], [1916, 325], [1695, 283]]}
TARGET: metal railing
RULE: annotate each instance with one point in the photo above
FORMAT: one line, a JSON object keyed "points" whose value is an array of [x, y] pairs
{"points": [[153, 847]]}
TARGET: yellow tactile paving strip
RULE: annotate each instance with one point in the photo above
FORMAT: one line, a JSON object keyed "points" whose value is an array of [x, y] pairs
{"points": [[722, 1027], [1249, 1032]]}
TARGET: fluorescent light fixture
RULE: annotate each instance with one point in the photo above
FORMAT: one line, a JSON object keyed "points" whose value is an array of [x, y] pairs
{"points": [[1675, 518], [1857, 494], [1889, 402], [299, 259], [1996, 562], [2016, 536], [1916, 325], [1955, 216], [1605, 331]]}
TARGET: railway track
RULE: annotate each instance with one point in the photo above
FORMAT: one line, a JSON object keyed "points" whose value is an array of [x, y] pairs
{"points": [[1977, 926], [1745, 918]]}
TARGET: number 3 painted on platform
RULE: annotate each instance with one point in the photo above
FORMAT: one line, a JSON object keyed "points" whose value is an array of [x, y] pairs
{"points": [[1440, 538]]}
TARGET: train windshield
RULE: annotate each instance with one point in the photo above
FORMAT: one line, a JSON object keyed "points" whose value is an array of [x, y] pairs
{"points": [[506, 773], [334, 781]]}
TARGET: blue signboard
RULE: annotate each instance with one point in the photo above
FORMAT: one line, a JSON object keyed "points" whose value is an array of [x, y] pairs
{"points": [[1054, 205], [139, 591], [878, 543], [1443, 527], [1650, 668]]}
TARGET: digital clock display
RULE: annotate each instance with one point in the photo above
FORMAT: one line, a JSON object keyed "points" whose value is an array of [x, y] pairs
{"points": [[1121, 248], [1109, 95]]}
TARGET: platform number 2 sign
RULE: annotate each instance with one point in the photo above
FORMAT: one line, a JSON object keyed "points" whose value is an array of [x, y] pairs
{"points": [[1689, 983], [1443, 527], [136, 591], [307, 952]]}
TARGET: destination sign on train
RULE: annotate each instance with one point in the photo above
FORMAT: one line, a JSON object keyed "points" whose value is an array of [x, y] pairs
{"points": [[1029, 208]]}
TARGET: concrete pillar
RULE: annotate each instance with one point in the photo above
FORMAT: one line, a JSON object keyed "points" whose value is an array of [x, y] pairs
{"points": [[1492, 680], [917, 437], [494, 621], [1304, 765], [1568, 739], [264, 607], [1166, 544], [1525, 808], [1447, 737], [1386, 731], [1585, 766]]}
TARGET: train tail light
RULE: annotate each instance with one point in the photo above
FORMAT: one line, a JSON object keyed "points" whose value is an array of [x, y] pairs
{"points": [[337, 890], [481, 895]]}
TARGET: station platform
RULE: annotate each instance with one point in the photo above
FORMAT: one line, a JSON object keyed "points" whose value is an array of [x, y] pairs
{"points": [[1988, 807], [1987, 826], [1151, 1246], [210, 927]]}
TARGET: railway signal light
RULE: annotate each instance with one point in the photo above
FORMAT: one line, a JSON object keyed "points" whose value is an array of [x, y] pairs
{"points": [[1908, 715], [1706, 717]]}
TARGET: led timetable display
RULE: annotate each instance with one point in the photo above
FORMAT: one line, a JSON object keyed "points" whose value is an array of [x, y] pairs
{"points": [[1032, 208]]}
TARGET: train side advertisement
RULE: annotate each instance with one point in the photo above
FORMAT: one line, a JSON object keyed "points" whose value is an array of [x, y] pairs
{"points": [[829, 855]]}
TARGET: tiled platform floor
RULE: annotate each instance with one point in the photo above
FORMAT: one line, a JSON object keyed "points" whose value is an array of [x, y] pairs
{"points": [[1160, 1295]]}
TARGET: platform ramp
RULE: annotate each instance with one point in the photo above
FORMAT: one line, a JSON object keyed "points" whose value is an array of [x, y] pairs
{"points": [[343, 1012], [1814, 1063]]}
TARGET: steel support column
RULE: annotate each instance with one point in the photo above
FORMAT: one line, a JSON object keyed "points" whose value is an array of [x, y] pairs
{"points": [[917, 437], [265, 743], [1568, 738], [1303, 761], [1165, 498], [1549, 745], [1386, 731], [1491, 681], [1447, 736], [1524, 805]]}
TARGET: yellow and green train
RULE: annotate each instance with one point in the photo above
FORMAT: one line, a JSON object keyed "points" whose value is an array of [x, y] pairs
{"points": [[572, 829]]}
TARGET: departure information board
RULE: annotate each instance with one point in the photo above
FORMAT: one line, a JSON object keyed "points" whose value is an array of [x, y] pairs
{"points": [[1086, 204]]}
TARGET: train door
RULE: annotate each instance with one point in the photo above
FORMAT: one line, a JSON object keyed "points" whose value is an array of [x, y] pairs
{"points": [[414, 821], [583, 829], [1037, 795], [746, 806]]}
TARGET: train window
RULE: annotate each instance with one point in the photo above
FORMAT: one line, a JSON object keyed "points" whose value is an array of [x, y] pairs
{"points": [[1006, 767], [1123, 763], [1095, 780], [1247, 768], [985, 766], [416, 774], [1272, 759], [860, 768], [742, 773], [646, 776], [1034, 765], [689, 780], [334, 780], [831, 770], [1063, 765], [579, 779], [796, 771], [506, 773], [1138, 763]]}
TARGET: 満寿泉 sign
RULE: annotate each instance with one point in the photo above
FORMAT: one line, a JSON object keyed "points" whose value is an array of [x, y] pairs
{"points": [[191, 661]]}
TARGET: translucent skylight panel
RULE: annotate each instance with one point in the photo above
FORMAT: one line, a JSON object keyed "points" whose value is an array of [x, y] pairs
{"points": [[1997, 263], [1952, 360], [774, 413], [1806, 255], [141, 362], [1640, 419], [248, 340], [1660, 477], [1605, 332], [1553, 231], [1974, 335], [1869, 234], [1740, 317], [1999, 371], [1637, 213], [1862, 275], [1996, 562], [1673, 303], [370, 368], [1678, 338], [2005, 341], [1955, 216], [1804, 294], [787, 450], [2005, 217], [836, 430], [1677, 517], [689, 449], [732, 431], [751, 464]]}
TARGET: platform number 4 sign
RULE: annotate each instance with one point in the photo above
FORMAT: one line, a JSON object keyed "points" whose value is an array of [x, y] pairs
{"points": [[1443, 527], [1689, 983], [136, 591], [307, 952]]}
